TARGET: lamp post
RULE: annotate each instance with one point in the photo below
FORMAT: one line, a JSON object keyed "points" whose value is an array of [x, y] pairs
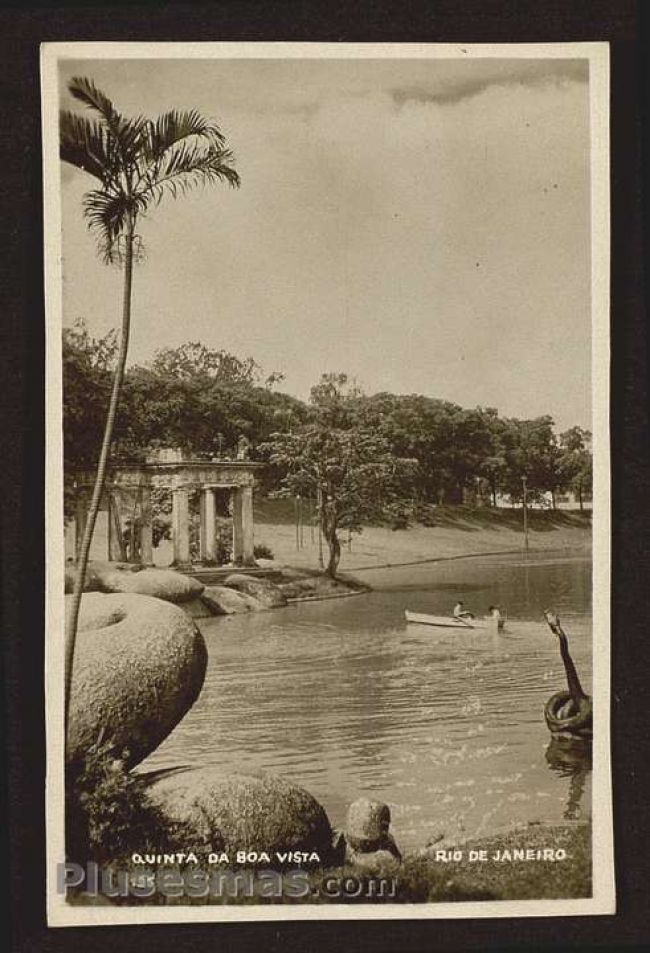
{"points": [[524, 480], [296, 515], [319, 509]]}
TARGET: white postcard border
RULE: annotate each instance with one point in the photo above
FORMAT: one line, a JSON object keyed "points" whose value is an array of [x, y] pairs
{"points": [[603, 899]]}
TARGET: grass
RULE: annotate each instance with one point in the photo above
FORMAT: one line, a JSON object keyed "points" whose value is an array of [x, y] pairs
{"points": [[423, 879], [457, 531], [281, 512], [512, 880]]}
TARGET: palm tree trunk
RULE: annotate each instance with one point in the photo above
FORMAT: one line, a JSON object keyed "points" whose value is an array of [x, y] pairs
{"points": [[73, 616]]}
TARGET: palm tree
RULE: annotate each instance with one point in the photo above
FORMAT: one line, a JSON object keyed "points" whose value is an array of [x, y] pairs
{"points": [[137, 161]]}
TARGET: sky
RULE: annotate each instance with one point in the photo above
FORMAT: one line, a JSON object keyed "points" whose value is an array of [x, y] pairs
{"points": [[422, 225]]}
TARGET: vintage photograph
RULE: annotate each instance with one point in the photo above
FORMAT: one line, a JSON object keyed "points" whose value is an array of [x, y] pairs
{"points": [[328, 481]]}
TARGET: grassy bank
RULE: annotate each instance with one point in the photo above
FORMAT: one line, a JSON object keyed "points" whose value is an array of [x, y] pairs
{"points": [[422, 878], [458, 531], [426, 878]]}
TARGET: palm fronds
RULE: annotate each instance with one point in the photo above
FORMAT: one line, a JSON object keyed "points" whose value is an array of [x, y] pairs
{"points": [[187, 166], [175, 125], [107, 216], [85, 144], [138, 160]]}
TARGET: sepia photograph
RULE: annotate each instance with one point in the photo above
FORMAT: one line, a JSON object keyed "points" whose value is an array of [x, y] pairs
{"points": [[327, 502]]}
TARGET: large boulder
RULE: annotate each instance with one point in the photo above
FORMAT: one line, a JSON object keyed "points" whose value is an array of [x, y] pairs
{"points": [[251, 812], [94, 572], [224, 601], [139, 666], [269, 595], [166, 584]]}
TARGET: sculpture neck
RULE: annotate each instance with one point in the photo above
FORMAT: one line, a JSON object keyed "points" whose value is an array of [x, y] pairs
{"points": [[575, 688]]}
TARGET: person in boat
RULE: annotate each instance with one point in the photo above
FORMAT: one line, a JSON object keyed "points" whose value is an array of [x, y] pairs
{"points": [[494, 613], [460, 612]]}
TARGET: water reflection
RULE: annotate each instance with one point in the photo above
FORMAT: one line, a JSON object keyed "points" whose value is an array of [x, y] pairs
{"points": [[572, 760], [447, 727]]}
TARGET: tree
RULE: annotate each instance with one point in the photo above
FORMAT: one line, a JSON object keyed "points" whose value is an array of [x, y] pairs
{"points": [[530, 449], [351, 473], [200, 400], [575, 463], [88, 365], [137, 162], [348, 467], [194, 361]]}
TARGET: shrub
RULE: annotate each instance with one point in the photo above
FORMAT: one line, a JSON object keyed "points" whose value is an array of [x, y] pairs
{"points": [[109, 813], [262, 551]]}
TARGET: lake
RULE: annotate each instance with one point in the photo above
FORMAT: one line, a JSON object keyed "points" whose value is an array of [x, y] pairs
{"points": [[344, 698]]}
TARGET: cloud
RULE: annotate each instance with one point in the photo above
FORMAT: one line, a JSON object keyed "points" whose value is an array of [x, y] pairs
{"points": [[466, 79]]}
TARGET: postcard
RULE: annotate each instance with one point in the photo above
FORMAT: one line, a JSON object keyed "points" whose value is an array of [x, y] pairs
{"points": [[328, 514]]}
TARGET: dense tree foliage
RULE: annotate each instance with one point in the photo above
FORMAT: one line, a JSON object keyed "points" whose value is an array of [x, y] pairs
{"points": [[192, 398], [346, 466], [201, 409], [379, 457], [575, 463], [87, 380]]}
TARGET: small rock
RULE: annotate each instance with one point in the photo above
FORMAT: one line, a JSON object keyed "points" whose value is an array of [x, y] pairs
{"points": [[266, 592], [222, 600], [373, 862], [367, 824], [197, 608], [166, 584], [94, 572]]}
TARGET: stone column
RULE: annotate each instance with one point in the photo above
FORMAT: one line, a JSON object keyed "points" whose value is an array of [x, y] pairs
{"points": [[181, 525], [116, 547], [208, 535], [81, 518], [146, 527], [247, 524], [237, 527]]}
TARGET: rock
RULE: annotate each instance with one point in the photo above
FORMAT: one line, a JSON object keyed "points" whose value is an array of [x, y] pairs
{"points": [[291, 590], [138, 668], [243, 813], [224, 601], [197, 608], [94, 571], [308, 586], [367, 827], [268, 594], [374, 862], [164, 584]]}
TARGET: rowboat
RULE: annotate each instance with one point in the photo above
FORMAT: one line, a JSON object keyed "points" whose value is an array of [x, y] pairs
{"points": [[451, 622]]}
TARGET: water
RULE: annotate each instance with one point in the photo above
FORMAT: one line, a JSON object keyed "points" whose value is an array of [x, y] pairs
{"points": [[446, 727]]}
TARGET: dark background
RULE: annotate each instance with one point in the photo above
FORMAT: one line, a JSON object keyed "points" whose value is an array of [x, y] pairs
{"points": [[22, 553]]}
